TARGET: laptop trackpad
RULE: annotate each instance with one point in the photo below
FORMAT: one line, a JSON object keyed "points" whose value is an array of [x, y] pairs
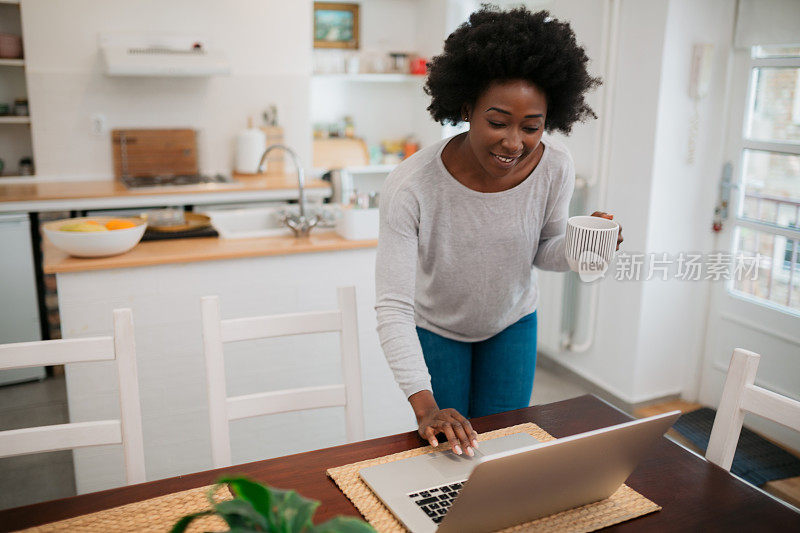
{"points": [[449, 464]]}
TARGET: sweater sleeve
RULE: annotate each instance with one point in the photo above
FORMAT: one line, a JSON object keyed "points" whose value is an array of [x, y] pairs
{"points": [[395, 277], [550, 253]]}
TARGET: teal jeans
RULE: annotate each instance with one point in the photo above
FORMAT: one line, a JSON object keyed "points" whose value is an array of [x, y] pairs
{"points": [[486, 377]]}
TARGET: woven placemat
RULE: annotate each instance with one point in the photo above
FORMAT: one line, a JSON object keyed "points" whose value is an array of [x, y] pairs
{"points": [[623, 505], [153, 515]]}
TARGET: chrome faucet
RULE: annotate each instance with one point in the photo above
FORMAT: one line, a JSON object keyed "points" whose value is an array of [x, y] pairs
{"points": [[300, 225]]}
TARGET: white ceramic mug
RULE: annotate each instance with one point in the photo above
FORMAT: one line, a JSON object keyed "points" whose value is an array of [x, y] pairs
{"points": [[590, 245]]}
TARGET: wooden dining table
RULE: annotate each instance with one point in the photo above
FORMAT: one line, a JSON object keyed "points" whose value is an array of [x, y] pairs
{"points": [[694, 494]]}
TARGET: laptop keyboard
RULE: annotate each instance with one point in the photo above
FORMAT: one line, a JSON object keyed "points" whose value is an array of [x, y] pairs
{"points": [[436, 501]]}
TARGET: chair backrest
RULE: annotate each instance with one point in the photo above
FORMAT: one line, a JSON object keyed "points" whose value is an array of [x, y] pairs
{"points": [[126, 431], [739, 395], [222, 408]]}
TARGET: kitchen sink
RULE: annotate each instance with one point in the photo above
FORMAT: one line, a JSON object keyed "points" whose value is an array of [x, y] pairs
{"points": [[254, 222]]}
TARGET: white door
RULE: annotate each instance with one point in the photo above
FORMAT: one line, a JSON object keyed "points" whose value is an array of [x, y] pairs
{"points": [[758, 306]]}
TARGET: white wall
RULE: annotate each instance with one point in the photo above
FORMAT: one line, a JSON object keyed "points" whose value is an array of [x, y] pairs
{"points": [[673, 318], [268, 43], [649, 335]]}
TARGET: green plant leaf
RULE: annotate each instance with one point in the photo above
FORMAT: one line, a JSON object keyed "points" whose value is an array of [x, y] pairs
{"points": [[241, 513], [343, 524], [181, 525], [291, 512], [257, 494]]}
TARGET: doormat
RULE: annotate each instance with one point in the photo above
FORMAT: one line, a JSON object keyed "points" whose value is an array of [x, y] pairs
{"points": [[756, 459]]}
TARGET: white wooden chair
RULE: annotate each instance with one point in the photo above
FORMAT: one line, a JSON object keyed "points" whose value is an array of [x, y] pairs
{"points": [[223, 409], [739, 395], [126, 431]]}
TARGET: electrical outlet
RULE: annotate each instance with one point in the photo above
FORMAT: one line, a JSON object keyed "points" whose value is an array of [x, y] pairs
{"points": [[99, 125]]}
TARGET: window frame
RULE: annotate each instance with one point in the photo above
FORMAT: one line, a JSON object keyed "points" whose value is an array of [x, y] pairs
{"points": [[792, 234]]}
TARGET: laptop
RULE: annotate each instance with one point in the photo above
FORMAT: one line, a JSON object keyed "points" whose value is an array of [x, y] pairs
{"points": [[513, 479]]}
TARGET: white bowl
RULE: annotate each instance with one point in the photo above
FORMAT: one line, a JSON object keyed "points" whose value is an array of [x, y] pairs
{"points": [[95, 243]]}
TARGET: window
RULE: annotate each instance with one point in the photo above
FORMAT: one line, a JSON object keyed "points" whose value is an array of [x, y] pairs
{"points": [[768, 218]]}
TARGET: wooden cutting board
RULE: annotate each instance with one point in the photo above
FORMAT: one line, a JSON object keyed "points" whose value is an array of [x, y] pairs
{"points": [[340, 153], [141, 152]]}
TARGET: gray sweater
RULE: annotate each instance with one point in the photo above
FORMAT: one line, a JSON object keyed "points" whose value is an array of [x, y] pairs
{"points": [[459, 262]]}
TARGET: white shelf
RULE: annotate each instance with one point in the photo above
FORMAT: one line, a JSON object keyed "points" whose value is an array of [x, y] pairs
{"points": [[391, 78], [15, 120], [12, 62]]}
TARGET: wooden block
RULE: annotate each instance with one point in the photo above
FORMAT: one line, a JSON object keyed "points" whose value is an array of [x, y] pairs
{"points": [[276, 158]]}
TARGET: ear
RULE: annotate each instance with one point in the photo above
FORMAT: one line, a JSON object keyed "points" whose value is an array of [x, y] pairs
{"points": [[466, 112]]}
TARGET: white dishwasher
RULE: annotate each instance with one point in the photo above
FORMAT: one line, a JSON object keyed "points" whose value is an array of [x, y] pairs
{"points": [[19, 312]]}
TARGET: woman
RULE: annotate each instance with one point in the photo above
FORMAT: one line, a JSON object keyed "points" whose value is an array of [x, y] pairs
{"points": [[464, 221]]}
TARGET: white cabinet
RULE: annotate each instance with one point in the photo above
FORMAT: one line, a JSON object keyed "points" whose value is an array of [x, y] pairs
{"points": [[19, 313]]}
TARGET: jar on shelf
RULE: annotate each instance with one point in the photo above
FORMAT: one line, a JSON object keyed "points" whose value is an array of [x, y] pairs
{"points": [[26, 166], [21, 107], [10, 46]]}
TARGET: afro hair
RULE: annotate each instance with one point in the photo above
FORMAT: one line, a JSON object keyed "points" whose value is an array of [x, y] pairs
{"points": [[495, 46]]}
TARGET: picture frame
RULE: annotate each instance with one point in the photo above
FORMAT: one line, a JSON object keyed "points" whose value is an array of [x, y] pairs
{"points": [[336, 25]]}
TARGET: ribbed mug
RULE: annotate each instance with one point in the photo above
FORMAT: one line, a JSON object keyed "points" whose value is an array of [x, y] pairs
{"points": [[590, 245]]}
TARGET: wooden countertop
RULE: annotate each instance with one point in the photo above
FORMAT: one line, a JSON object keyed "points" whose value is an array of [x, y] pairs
{"points": [[199, 249], [67, 190]]}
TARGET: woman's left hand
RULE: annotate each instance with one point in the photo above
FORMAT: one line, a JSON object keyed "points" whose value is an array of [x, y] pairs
{"points": [[609, 216]]}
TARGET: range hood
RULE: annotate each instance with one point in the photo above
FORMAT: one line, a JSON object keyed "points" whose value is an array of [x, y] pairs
{"points": [[161, 55]]}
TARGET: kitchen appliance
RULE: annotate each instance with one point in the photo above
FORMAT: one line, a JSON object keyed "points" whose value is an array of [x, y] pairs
{"points": [[19, 312], [143, 182], [161, 54]]}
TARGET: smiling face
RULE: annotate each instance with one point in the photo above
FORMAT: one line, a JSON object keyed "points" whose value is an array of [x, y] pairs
{"points": [[506, 126]]}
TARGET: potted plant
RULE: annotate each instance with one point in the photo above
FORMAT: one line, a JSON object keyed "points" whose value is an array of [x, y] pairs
{"points": [[258, 508]]}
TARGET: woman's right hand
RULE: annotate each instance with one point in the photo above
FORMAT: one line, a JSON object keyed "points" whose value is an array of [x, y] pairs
{"points": [[433, 421]]}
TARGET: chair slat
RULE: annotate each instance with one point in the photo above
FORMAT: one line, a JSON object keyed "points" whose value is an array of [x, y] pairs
{"points": [[351, 364], [268, 403], [56, 352], [130, 405], [772, 406], [215, 382], [59, 437], [262, 327]]}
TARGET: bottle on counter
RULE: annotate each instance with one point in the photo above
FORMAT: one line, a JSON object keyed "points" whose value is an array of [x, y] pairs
{"points": [[349, 127], [250, 145]]}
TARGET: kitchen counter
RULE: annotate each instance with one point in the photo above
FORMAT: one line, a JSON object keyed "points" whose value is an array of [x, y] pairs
{"points": [[110, 194], [199, 249]]}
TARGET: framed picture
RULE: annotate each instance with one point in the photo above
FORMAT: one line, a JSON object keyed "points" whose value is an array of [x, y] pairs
{"points": [[335, 25]]}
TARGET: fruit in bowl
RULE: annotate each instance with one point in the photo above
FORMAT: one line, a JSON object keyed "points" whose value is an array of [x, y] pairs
{"points": [[95, 236]]}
